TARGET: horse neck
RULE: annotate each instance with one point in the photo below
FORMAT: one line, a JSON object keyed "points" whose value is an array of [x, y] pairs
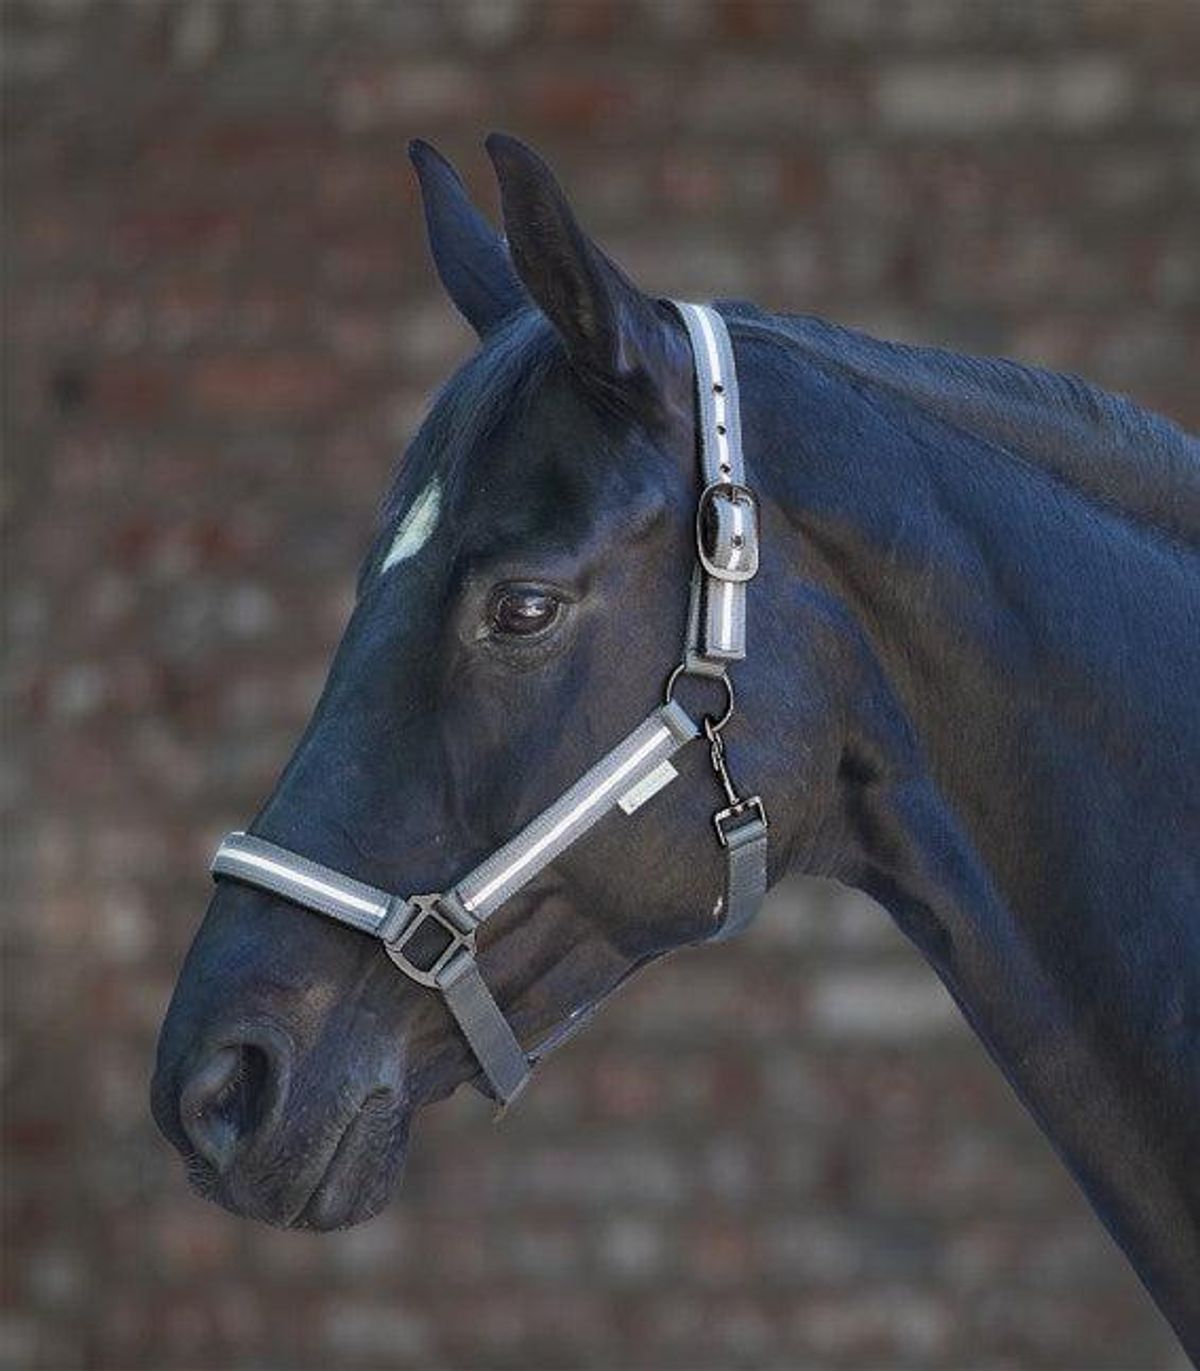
{"points": [[1014, 635], [1019, 753]]}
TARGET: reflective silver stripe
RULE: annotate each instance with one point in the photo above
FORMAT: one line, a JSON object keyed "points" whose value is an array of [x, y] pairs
{"points": [[495, 880], [301, 880], [725, 601]]}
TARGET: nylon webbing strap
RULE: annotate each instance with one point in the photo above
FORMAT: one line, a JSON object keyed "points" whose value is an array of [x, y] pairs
{"points": [[745, 875], [717, 627], [485, 1028]]}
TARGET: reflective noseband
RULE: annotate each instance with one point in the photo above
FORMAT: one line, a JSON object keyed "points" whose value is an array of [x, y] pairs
{"points": [[431, 938]]}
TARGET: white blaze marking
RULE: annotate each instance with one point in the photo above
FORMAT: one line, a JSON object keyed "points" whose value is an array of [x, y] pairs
{"points": [[416, 528]]}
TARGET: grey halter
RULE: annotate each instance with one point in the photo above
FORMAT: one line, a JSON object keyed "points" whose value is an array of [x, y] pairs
{"points": [[431, 938]]}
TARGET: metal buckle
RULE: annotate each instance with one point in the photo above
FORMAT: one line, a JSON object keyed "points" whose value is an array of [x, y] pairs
{"points": [[426, 912], [752, 804], [727, 531]]}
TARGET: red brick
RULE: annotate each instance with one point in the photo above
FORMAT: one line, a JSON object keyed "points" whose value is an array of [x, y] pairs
{"points": [[585, 22], [281, 387], [150, 232], [575, 103], [134, 392]]}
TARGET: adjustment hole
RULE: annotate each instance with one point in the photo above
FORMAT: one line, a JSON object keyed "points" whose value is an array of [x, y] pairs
{"points": [[718, 388], [720, 428]]}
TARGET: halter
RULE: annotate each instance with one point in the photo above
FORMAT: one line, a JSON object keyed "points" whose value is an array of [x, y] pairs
{"points": [[431, 938]]}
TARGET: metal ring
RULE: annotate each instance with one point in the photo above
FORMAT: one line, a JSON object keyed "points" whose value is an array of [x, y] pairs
{"points": [[717, 724]]}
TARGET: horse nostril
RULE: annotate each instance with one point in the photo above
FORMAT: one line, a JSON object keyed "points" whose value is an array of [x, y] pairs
{"points": [[227, 1100]]}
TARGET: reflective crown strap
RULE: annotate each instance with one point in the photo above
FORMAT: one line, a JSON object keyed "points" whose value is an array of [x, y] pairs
{"points": [[727, 531], [727, 552], [716, 393]]}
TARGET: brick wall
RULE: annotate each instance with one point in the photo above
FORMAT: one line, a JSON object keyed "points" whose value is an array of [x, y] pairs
{"points": [[785, 1153]]}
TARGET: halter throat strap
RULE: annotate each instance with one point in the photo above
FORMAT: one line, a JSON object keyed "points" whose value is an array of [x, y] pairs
{"points": [[431, 938]]}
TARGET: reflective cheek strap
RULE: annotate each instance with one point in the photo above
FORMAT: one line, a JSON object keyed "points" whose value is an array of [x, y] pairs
{"points": [[640, 757]]}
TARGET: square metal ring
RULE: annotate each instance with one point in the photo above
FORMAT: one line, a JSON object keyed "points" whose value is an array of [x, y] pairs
{"points": [[429, 908], [723, 818]]}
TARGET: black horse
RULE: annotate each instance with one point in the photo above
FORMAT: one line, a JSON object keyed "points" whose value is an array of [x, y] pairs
{"points": [[972, 694]]}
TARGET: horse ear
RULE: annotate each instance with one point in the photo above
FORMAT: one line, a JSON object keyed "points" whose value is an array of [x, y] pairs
{"points": [[614, 333], [469, 254]]}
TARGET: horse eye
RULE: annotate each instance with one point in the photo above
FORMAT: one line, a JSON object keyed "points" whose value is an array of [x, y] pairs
{"points": [[524, 610]]}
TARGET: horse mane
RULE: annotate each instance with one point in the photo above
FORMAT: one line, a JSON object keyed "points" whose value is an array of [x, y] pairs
{"points": [[1103, 445], [1107, 448]]}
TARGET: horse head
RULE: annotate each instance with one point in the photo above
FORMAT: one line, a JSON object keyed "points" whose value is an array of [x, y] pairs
{"points": [[518, 611]]}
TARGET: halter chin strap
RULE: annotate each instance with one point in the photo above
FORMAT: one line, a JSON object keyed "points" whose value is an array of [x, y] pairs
{"points": [[431, 938]]}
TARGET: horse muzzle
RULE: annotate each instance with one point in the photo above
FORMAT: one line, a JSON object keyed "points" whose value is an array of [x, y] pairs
{"points": [[227, 1114]]}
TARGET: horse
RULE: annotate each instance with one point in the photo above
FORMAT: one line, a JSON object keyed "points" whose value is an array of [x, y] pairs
{"points": [[969, 690]]}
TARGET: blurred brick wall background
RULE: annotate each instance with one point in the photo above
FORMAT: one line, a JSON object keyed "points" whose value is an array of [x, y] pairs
{"points": [[223, 326]]}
